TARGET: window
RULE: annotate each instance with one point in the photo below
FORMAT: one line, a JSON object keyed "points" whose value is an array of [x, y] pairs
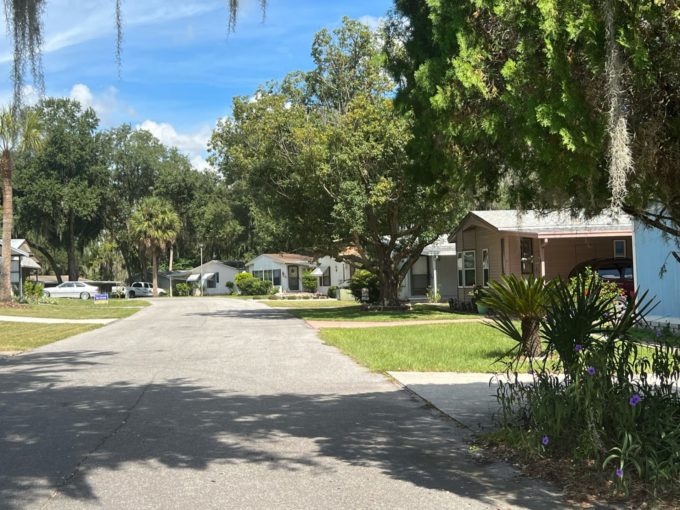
{"points": [[269, 275], [212, 281], [326, 278], [460, 270], [469, 268], [619, 248], [485, 266], [526, 247]]}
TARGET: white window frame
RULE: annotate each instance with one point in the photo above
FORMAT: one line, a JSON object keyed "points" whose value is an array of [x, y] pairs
{"points": [[485, 267], [466, 284], [623, 242]]}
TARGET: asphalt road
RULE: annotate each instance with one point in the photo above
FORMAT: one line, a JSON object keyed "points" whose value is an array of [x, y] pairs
{"points": [[214, 403]]}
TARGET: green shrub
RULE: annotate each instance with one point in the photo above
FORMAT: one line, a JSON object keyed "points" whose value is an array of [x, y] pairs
{"points": [[599, 396], [365, 279], [309, 282], [33, 290], [433, 295], [183, 289], [332, 291], [248, 285], [230, 286], [609, 291]]}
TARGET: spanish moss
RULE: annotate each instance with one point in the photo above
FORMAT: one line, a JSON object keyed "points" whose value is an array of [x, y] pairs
{"points": [[620, 157], [24, 25], [233, 12], [119, 35]]}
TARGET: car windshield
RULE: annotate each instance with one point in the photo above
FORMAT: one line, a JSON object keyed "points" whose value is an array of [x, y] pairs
{"points": [[609, 273]]}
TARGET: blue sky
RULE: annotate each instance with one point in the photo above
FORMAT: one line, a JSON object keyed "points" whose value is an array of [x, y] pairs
{"points": [[180, 68]]}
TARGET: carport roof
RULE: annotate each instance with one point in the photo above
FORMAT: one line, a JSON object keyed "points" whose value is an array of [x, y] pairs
{"points": [[551, 224]]}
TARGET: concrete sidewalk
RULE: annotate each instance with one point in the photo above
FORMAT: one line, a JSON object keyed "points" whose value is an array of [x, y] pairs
{"points": [[41, 320], [468, 398]]}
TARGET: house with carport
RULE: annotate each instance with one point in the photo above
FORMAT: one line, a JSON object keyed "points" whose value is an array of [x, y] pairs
{"points": [[490, 244]]}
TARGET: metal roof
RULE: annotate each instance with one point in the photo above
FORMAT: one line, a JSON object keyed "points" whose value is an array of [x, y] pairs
{"points": [[554, 221]]}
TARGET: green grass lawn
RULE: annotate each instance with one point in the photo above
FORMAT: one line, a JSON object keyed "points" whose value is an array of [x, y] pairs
{"points": [[308, 303], [77, 309], [21, 336], [465, 347], [650, 335], [355, 313]]}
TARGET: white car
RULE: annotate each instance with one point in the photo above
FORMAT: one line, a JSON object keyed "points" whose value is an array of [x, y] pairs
{"points": [[72, 290], [142, 289]]}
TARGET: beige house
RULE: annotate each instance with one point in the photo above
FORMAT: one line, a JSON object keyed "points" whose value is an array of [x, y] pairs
{"points": [[492, 243]]}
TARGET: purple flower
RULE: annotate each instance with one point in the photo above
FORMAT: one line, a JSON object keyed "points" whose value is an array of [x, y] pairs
{"points": [[578, 347], [591, 370], [635, 399], [619, 472], [658, 333], [545, 440]]}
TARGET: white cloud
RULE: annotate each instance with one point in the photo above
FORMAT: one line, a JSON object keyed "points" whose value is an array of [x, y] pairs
{"points": [[373, 22], [194, 145], [107, 104]]}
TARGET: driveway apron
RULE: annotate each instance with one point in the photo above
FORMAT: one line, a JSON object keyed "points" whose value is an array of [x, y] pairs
{"points": [[220, 403]]}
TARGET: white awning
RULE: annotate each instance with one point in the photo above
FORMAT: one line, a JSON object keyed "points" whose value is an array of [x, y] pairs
{"points": [[193, 278], [208, 276]]}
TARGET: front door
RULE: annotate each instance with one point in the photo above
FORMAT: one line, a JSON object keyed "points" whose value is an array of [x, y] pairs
{"points": [[293, 278]]}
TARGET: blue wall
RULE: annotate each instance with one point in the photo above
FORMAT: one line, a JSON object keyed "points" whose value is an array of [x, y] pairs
{"points": [[652, 251]]}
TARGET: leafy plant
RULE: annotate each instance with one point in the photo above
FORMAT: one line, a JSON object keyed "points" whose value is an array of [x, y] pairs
{"points": [[433, 295], [332, 291], [600, 396], [514, 298], [363, 279], [33, 290], [184, 289], [248, 285], [309, 282]]}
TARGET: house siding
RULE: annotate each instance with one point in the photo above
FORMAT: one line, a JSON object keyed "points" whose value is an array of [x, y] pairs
{"points": [[653, 253]]}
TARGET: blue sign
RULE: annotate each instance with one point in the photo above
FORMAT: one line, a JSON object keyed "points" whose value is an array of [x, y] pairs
{"points": [[101, 298]]}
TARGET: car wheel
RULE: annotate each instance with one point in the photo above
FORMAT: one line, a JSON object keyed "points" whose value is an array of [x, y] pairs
{"points": [[131, 294], [46, 294], [84, 296]]}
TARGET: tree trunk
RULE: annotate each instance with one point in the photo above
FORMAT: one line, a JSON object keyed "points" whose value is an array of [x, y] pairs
{"points": [[7, 221], [154, 271], [50, 259], [72, 259], [531, 340], [170, 263], [389, 288]]}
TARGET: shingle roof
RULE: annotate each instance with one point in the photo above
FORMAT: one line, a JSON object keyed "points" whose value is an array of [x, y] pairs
{"points": [[289, 258], [554, 221]]}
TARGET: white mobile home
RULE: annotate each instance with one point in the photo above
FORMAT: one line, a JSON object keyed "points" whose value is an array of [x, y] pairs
{"points": [[213, 276]]}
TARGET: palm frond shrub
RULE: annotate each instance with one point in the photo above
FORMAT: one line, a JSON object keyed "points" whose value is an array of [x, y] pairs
{"points": [[515, 298]]}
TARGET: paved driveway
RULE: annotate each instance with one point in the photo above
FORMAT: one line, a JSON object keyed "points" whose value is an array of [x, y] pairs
{"points": [[215, 403]]}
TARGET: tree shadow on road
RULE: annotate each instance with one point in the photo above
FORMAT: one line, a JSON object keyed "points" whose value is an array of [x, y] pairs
{"points": [[54, 431]]}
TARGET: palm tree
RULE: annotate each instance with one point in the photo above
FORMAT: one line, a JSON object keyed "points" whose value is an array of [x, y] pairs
{"points": [[155, 225], [515, 298], [18, 133]]}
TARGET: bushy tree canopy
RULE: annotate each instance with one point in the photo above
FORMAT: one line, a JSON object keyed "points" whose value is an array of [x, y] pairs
{"points": [[518, 97]]}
